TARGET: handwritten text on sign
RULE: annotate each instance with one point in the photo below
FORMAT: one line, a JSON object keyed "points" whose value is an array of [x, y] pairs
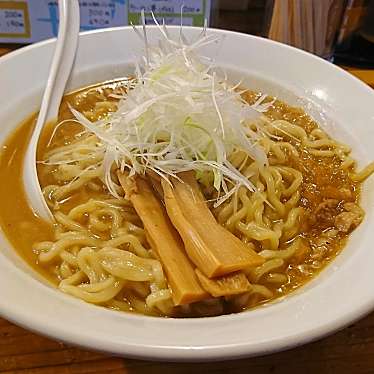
{"points": [[167, 6], [12, 21]]}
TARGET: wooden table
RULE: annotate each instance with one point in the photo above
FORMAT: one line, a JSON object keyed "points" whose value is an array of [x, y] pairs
{"points": [[350, 351]]}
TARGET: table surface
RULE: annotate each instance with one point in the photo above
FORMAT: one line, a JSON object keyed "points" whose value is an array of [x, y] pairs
{"points": [[350, 351]]}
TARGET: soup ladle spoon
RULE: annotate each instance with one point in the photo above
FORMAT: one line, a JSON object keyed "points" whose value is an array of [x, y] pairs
{"points": [[62, 62]]}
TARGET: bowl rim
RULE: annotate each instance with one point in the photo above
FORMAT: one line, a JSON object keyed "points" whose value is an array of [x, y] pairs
{"points": [[175, 353]]}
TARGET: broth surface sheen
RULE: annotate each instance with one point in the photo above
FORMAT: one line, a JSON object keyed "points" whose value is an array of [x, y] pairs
{"points": [[324, 190]]}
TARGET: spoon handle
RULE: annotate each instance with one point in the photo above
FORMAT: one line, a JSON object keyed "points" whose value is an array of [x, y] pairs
{"points": [[64, 55], [62, 62]]}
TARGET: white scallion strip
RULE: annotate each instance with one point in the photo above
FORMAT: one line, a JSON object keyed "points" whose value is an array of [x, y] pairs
{"points": [[178, 116]]}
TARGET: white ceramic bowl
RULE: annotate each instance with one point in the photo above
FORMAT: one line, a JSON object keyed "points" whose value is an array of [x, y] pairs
{"points": [[340, 294]]}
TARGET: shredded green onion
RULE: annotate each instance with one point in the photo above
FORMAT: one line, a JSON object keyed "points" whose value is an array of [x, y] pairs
{"points": [[179, 116]]}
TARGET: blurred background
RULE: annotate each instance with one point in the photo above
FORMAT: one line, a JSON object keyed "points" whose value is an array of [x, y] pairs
{"points": [[341, 31]]}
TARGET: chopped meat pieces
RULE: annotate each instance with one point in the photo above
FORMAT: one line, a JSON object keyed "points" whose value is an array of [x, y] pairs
{"points": [[325, 213], [350, 219]]}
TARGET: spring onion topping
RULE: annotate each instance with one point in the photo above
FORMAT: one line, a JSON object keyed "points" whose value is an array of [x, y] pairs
{"points": [[178, 116]]}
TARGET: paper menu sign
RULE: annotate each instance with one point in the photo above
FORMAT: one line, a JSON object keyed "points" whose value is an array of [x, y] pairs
{"points": [[40, 18], [27, 21], [14, 20], [167, 6], [194, 11]]}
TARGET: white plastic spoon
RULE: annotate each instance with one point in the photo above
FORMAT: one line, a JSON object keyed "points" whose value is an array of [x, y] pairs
{"points": [[62, 62]]}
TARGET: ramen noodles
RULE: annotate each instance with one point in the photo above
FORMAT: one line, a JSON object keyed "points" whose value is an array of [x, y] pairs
{"points": [[176, 193], [298, 219]]}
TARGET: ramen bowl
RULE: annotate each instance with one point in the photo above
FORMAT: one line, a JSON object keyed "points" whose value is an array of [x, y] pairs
{"points": [[340, 294]]}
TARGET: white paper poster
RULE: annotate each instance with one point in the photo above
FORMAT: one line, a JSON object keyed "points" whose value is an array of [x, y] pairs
{"points": [[26, 21]]}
